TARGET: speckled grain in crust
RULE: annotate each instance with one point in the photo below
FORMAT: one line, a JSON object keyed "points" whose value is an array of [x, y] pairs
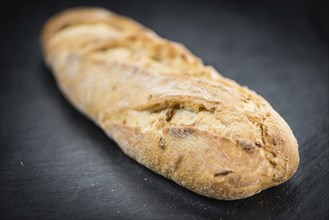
{"points": [[165, 108]]}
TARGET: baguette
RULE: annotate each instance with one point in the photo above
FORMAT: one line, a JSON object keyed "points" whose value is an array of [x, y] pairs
{"points": [[165, 108]]}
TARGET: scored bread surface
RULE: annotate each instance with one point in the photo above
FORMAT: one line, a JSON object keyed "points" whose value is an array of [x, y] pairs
{"points": [[165, 108]]}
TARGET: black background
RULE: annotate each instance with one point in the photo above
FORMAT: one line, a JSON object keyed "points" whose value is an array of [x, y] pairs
{"points": [[55, 164]]}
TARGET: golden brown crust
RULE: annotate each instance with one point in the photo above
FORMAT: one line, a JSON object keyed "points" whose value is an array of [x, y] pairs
{"points": [[166, 109]]}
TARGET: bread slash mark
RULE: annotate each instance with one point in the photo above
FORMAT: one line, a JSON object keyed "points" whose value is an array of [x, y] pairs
{"points": [[247, 146], [180, 132], [169, 114], [258, 144], [223, 173]]}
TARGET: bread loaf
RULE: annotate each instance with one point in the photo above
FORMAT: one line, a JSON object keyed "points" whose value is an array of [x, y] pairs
{"points": [[165, 108]]}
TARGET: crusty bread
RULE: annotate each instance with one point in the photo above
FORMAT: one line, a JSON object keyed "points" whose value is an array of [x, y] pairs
{"points": [[165, 108]]}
